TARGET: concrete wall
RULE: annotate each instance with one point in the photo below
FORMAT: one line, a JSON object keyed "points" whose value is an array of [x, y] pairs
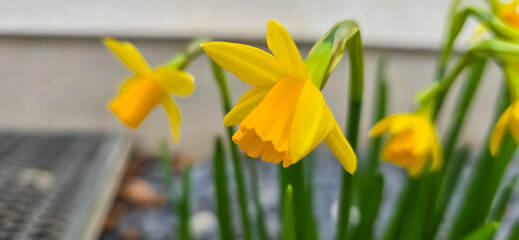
{"points": [[59, 83]]}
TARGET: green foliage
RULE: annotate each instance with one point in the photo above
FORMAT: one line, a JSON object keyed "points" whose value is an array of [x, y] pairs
{"points": [[485, 232], [222, 194], [288, 228], [221, 80]]}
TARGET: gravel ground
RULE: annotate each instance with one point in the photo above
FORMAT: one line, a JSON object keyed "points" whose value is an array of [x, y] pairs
{"points": [[156, 223]]}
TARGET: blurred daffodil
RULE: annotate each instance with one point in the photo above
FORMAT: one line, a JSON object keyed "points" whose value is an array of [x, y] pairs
{"points": [[412, 143], [284, 115], [147, 88], [508, 120], [507, 11]]}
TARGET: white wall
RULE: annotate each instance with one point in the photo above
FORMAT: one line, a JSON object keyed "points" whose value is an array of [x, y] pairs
{"points": [[56, 75], [65, 83], [399, 23]]}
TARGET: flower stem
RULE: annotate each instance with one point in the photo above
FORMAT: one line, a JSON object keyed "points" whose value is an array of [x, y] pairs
{"points": [[222, 194], [356, 57], [236, 159], [483, 183]]}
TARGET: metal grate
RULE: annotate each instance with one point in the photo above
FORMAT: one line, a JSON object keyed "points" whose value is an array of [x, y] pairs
{"points": [[47, 183]]}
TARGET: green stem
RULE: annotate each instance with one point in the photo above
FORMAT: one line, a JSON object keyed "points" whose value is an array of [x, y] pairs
{"points": [[236, 159], [185, 206], [192, 50], [356, 57], [378, 114], [222, 194], [483, 183], [260, 217], [447, 184]]}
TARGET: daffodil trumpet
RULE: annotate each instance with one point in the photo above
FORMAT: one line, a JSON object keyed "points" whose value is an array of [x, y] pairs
{"points": [[147, 88], [283, 116]]}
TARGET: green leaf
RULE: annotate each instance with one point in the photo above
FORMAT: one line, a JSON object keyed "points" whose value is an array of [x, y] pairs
{"points": [[222, 194], [485, 232], [514, 232], [260, 218], [483, 183], [371, 197], [185, 206], [394, 226], [165, 165], [241, 187], [295, 177], [501, 202], [288, 224], [379, 106], [448, 175]]}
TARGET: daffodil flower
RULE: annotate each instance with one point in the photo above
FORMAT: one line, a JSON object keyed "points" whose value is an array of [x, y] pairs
{"points": [[283, 116], [147, 88], [412, 143], [507, 11], [508, 120]]}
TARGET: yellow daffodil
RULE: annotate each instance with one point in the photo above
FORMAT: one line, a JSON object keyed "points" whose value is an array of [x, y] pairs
{"points": [[508, 120], [412, 143], [284, 116], [507, 11], [147, 88]]}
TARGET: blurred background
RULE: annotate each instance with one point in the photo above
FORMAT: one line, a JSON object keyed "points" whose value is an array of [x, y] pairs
{"points": [[56, 75]]}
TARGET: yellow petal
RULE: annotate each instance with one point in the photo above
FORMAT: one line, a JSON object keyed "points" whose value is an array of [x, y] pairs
{"points": [[252, 65], [174, 81], [311, 123], [248, 101], [174, 117], [424, 134], [386, 124], [129, 55], [437, 154], [285, 50], [416, 169], [341, 149], [128, 84], [499, 132]]}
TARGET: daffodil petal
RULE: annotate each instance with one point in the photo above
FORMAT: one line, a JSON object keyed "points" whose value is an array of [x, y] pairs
{"points": [[174, 117], [128, 84], [424, 135], [341, 149], [248, 101], [311, 123], [252, 65], [437, 154], [174, 81], [416, 169], [129, 55], [386, 125], [499, 131], [283, 47]]}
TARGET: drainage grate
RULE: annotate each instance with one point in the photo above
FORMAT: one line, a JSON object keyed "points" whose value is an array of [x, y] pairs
{"points": [[54, 186]]}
